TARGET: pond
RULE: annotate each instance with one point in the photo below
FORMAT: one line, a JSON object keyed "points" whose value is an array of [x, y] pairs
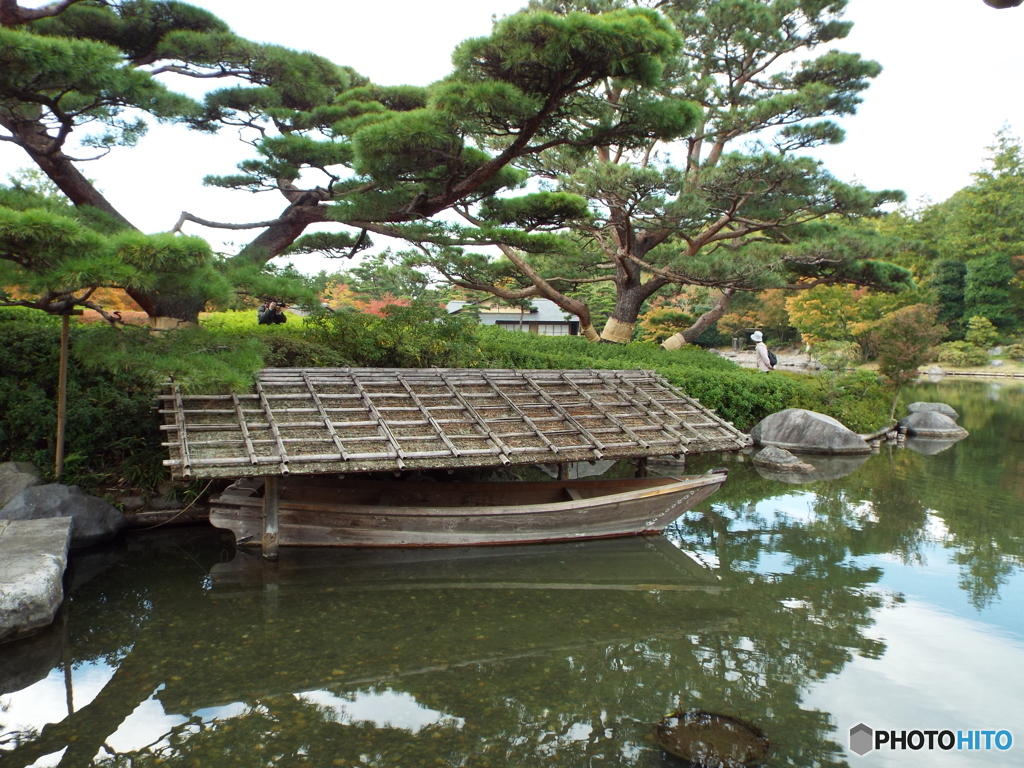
{"points": [[892, 597]]}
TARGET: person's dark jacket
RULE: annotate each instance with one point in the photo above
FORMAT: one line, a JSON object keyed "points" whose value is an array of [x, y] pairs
{"points": [[267, 316]]}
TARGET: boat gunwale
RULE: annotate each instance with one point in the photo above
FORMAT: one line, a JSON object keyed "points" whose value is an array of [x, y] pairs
{"points": [[685, 483]]}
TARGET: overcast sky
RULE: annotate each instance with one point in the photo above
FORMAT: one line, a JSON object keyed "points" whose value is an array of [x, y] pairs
{"points": [[952, 77]]}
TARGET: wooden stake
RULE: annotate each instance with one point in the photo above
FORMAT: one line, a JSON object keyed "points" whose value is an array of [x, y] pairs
{"points": [[62, 394], [270, 509], [641, 467]]}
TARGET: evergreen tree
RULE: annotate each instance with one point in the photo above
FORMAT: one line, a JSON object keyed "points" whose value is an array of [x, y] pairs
{"points": [[989, 291], [974, 241], [388, 158], [683, 207], [54, 257], [947, 283]]}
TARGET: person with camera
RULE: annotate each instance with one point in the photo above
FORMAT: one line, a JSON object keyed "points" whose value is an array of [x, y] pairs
{"points": [[271, 313]]}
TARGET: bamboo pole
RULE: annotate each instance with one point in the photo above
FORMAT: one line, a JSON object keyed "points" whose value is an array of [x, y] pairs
{"points": [[62, 394]]}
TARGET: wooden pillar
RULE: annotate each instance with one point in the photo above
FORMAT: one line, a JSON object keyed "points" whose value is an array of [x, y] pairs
{"points": [[563, 471], [62, 395], [641, 467], [270, 508]]}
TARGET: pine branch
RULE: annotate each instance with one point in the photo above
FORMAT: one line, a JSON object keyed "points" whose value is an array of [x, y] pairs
{"points": [[13, 15]]}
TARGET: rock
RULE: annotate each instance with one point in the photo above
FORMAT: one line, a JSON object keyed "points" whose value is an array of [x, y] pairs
{"points": [[33, 556], [807, 432], [779, 459], [15, 477], [149, 504], [935, 373], [825, 468], [996, 351], [996, 363], [95, 519], [933, 425], [942, 408]]}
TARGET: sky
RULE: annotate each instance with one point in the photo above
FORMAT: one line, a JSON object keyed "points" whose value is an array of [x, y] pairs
{"points": [[951, 79]]}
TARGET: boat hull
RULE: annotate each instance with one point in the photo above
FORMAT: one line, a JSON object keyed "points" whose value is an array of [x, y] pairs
{"points": [[368, 514]]}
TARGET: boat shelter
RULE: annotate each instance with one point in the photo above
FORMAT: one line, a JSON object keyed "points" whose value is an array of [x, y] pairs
{"points": [[318, 421], [342, 420]]}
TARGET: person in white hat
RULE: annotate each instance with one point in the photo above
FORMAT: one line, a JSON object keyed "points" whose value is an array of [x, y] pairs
{"points": [[761, 352]]}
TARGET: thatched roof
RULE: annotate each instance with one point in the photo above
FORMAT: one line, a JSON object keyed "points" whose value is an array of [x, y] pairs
{"points": [[340, 420]]}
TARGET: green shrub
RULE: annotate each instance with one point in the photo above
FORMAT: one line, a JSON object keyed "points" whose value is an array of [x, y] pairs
{"points": [[981, 332], [421, 335], [837, 356], [961, 353], [1015, 351], [112, 430], [740, 395], [287, 350]]}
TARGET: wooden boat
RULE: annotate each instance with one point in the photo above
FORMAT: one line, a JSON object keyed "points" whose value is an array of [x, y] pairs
{"points": [[319, 511]]}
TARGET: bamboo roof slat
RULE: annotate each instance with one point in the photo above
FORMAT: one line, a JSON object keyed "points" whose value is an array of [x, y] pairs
{"points": [[526, 419], [483, 426], [343, 420], [283, 454], [381, 424]]}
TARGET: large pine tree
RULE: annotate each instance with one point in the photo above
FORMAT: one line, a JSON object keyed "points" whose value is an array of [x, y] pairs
{"points": [[81, 76], [721, 194]]}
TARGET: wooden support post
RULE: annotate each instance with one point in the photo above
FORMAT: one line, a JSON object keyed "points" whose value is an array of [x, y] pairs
{"points": [[641, 467], [270, 508], [62, 395], [563, 471]]}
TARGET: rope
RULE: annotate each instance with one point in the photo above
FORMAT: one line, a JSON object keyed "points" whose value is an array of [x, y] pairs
{"points": [[180, 513]]}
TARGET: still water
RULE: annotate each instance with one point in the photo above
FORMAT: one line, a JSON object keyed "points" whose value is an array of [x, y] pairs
{"points": [[892, 596]]}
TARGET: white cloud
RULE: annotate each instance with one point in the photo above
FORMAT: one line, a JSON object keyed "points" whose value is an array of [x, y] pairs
{"points": [[926, 680]]}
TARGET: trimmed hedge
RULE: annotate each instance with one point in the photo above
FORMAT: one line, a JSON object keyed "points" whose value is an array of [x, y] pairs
{"points": [[113, 430], [740, 395]]}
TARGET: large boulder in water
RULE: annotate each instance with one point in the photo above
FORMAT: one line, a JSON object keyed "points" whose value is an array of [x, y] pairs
{"points": [[94, 519], [932, 424], [15, 477], [807, 432], [942, 408]]}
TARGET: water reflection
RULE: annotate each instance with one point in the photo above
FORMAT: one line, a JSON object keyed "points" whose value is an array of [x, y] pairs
{"points": [[884, 595], [825, 468], [504, 656]]}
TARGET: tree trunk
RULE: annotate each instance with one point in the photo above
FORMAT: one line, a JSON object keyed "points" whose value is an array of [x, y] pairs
{"points": [[176, 307], [702, 323], [629, 300]]}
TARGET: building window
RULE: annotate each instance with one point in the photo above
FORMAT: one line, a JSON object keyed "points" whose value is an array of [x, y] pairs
{"points": [[514, 326], [553, 329]]}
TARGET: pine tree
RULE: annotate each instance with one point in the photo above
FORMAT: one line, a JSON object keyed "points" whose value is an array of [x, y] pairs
{"points": [[683, 207], [388, 158]]}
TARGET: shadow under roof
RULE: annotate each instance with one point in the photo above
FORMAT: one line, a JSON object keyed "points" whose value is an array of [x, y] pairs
{"points": [[342, 420]]}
